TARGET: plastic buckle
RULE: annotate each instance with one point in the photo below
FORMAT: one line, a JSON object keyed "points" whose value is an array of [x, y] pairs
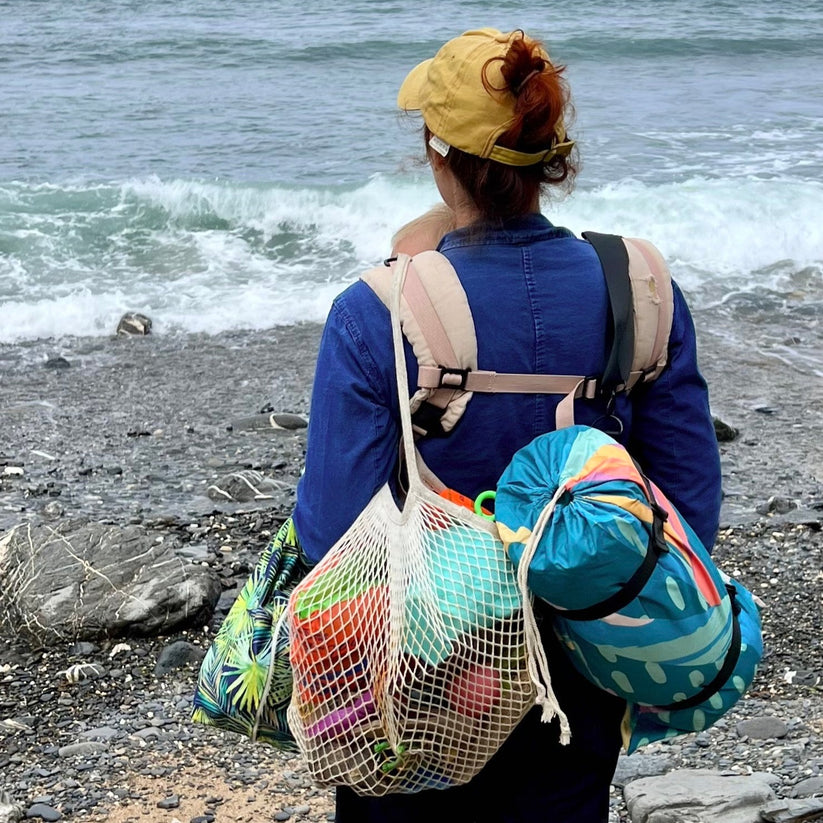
{"points": [[447, 376], [590, 388], [660, 516]]}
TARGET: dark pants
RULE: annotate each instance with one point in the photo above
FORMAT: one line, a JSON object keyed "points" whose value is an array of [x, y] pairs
{"points": [[531, 778]]}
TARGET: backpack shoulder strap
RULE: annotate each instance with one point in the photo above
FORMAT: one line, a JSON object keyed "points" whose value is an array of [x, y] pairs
{"points": [[653, 301], [640, 293], [436, 319]]}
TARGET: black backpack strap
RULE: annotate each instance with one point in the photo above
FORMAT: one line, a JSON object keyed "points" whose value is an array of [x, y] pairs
{"points": [[615, 262], [729, 662], [634, 585]]}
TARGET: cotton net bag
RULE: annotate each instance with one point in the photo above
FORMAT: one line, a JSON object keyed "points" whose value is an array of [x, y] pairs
{"points": [[414, 652]]}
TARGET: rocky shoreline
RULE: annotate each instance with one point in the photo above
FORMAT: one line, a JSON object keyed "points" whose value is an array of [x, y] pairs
{"points": [[152, 431]]}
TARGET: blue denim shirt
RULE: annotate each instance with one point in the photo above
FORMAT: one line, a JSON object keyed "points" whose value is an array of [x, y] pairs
{"points": [[540, 306]]}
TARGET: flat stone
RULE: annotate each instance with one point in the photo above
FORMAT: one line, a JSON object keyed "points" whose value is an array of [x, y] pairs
{"points": [[762, 728], [150, 731], [170, 802], [83, 648], [101, 733], [808, 787], [43, 812], [788, 811], [701, 795], [196, 552], [84, 748], [634, 766]]}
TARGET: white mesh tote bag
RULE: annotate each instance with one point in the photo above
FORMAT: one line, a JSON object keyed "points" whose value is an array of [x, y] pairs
{"points": [[414, 652]]}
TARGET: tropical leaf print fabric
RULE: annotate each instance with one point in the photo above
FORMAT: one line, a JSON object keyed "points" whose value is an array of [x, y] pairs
{"points": [[245, 680]]}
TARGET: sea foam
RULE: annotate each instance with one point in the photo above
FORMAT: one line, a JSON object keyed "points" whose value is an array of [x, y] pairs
{"points": [[216, 255]]}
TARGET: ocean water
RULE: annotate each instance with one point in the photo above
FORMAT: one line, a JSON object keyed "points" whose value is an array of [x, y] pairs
{"points": [[234, 165]]}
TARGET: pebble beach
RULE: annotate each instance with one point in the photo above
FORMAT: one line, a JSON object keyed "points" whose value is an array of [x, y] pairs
{"points": [[138, 429]]}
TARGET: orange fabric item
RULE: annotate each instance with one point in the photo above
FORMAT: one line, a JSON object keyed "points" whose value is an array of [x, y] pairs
{"points": [[461, 500], [345, 627]]}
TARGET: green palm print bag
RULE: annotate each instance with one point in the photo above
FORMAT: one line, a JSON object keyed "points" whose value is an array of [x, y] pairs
{"points": [[245, 680]]}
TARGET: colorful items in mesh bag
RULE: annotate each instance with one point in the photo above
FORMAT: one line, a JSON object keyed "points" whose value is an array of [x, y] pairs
{"points": [[335, 622], [641, 608], [459, 590], [405, 710]]}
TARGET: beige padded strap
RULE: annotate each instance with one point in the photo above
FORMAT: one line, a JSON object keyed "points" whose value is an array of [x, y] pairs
{"points": [[437, 321], [491, 382], [653, 305]]}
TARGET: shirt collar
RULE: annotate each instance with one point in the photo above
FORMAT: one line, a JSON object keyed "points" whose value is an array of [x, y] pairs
{"points": [[525, 228]]}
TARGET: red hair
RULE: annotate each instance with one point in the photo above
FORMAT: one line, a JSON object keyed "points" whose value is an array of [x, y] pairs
{"points": [[541, 111]]}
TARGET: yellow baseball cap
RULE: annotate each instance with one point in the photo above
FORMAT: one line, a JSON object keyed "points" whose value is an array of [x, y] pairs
{"points": [[459, 109]]}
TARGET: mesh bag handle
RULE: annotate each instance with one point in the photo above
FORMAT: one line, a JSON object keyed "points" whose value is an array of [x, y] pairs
{"points": [[537, 662], [409, 450]]}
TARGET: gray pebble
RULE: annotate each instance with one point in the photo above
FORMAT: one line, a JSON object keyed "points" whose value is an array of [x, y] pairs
{"points": [[637, 765], [170, 802], [762, 728], [102, 733], [282, 816], [808, 787], [43, 812], [176, 655], [148, 732], [84, 748]]}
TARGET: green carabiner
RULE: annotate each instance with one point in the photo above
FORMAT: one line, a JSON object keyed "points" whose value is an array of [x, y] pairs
{"points": [[480, 500]]}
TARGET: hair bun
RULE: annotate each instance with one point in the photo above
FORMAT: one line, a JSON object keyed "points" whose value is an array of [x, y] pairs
{"points": [[534, 72]]}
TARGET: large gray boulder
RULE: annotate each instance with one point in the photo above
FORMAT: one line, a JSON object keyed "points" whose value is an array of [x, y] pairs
{"points": [[698, 796], [81, 581]]}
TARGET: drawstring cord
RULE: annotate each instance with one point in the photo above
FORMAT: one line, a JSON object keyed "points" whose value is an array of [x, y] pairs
{"points": [[537, 662]]}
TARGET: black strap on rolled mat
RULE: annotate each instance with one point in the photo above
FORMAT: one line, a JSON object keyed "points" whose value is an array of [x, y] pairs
{"points": [[730, 661], [629, 590], [615, 262]]}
